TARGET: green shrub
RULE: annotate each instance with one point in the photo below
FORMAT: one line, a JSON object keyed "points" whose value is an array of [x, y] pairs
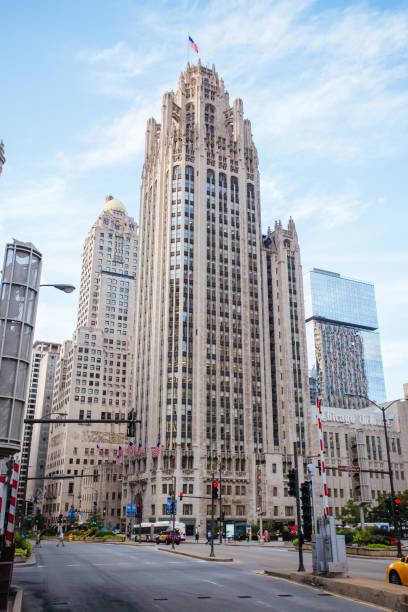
{"points": [[103, 532], [20, 551], [28, 549], [377, 545], [295, 542], [348, 534]]}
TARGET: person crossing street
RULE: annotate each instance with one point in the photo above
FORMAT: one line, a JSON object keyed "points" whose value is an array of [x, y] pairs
{"points": [[60, 538]]}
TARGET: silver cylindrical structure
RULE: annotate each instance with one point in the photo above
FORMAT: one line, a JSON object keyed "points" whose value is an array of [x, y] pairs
{"points": [[18, 308]]}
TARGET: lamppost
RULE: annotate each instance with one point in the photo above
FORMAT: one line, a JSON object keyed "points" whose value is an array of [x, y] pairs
{"points": [[390, 472], [64, 288]]}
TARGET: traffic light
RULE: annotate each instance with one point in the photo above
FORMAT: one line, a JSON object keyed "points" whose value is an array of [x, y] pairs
{"points": [[181, 497], [95, 475], [292, 483], [397, 506], [139, 511], [215, 490], [60, 519], [131, 427], [306, 509], [388, 505]]}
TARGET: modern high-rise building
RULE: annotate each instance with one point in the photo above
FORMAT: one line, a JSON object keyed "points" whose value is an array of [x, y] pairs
{"points": [[39, 403], [93, 372], [202, 373], [343, 339]]}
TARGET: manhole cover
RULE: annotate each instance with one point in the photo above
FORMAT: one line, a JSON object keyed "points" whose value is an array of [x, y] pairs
{"points": [[203, 597], [324, 595], [285, 595], [160, 599], [244, 596]]}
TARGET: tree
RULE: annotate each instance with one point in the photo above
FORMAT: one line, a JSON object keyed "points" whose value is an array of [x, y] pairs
{"points": [[381, 513], [350, 513], [95, 519]]}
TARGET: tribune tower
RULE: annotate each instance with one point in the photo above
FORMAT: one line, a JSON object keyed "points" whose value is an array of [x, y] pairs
{"points": [[199, 367]]}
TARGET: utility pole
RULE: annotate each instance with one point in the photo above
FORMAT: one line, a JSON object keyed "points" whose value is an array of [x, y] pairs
{"points": [[299, 523]]}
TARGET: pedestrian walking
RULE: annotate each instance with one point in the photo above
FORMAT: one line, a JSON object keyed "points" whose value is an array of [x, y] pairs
{"points": [[266, 535], [197, 535], [209, 537], [60, 539], [38, 539]]}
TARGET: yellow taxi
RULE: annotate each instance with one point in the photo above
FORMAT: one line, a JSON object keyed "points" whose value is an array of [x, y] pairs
{"points": [[397, 572]]}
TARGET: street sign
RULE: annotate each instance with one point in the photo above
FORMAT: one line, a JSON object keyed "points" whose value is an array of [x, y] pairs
{"points": [[348, 468], [128, 510], [133, 509], [168, 506]]}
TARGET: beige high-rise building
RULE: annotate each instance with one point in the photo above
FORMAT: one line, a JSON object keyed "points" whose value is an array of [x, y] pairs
{"points": [[203, 372], [92, 378], [287, 402]]}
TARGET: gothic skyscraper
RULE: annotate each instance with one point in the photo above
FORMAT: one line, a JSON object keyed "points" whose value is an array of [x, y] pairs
{"points": [[200, 372]]}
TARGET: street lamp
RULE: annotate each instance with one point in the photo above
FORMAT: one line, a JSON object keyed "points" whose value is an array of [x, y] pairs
{"points": [[64, 288], [387, 445]]}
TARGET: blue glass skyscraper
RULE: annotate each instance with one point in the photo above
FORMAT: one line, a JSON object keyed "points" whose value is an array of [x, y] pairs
{"points": [[343, 340]]}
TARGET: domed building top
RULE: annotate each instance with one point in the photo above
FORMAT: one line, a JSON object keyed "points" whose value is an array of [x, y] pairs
{"points": [[112, 204]]}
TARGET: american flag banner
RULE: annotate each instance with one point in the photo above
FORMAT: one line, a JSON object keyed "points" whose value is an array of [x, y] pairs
{"points": [[119, 458], [157, 450], [140, 449], [192, 44], [131, 448], [99, 450]]}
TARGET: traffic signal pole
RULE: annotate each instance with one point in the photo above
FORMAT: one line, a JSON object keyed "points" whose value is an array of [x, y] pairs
{"points": [[301, 567], [394, 514], [212, 554], [221, 517], [173, 510]]}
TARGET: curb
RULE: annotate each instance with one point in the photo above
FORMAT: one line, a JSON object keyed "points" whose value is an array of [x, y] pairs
{"points": [[383, 594], [194, 556], [30, 561], [15, 599]]}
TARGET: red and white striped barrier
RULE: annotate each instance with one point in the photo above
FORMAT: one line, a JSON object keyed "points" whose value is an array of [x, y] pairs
{"points": [[322, 452], [3, 501], [12, 508]]}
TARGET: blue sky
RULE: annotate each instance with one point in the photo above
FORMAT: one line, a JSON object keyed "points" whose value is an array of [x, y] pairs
{"points": [[324, 84]]}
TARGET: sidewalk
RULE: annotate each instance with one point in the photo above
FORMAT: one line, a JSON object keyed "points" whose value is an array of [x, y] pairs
{"points": [[390, 596]]}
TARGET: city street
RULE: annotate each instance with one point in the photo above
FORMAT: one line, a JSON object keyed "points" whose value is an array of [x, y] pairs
{"points": [[255, 557], [109, 577]]}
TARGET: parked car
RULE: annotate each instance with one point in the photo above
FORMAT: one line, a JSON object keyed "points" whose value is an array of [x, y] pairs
{"points": [[397, 572], [167, 537]]}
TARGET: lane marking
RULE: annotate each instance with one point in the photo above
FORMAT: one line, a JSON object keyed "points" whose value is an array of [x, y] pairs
{"points": [[211, 582], [73, 565]]}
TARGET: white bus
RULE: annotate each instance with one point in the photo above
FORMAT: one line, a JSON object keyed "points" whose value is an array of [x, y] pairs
{"points": [[150, 531]]}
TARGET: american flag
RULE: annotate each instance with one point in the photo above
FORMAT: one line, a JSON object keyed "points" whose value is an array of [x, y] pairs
{"points": [[192, 44], [157, 450], [119, 458], [99, 450], [140, 449], [131, 448]]}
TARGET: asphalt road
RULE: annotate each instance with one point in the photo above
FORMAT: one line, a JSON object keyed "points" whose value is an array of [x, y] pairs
{"points": [[109, 577], [270, 557]]}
